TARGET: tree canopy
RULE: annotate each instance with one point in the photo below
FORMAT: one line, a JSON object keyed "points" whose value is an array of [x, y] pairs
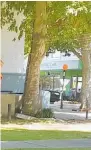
{"points": [[66, 22], [68, 26]]}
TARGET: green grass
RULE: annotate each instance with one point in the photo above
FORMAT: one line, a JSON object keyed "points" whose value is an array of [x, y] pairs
{"points": [[51, 149], [23, 134]]}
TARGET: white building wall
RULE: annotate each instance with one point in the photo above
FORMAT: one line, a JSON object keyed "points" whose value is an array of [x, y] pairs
{"points": [[12, 53], [56, 61]]}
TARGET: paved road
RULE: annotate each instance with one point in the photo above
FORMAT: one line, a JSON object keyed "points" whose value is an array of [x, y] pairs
{"points": [[47, 144]]}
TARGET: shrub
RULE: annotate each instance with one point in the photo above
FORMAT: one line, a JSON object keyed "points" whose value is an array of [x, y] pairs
{"points": [[17, 110], [44, 113]]}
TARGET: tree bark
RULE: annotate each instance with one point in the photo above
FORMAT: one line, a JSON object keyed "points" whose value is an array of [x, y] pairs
{"points": [[31, 100], [86, 72]]}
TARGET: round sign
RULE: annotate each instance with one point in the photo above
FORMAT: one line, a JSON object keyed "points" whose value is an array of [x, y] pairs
{"points": [[65, 67], [1, 76], [1, 63]]}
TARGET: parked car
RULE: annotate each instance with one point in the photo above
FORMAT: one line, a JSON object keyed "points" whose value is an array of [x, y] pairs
{"points": [[54, 96]]}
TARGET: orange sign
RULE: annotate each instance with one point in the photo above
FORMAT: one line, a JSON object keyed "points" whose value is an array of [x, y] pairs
{"points": [[65, 67], [1, 64], [1, 76]]}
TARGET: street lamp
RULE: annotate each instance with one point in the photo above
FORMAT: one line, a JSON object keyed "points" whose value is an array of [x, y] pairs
{"points": [[65, 67]]}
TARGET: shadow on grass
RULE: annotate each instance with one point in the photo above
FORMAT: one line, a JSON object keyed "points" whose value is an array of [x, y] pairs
{"points": [[21, 121]]}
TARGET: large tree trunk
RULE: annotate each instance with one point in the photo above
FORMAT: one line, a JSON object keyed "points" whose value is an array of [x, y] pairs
{"points": [[86, 74], [31, 100]]}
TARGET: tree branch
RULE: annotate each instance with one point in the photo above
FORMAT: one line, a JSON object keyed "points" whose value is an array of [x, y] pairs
{"points": [[77, 54]]}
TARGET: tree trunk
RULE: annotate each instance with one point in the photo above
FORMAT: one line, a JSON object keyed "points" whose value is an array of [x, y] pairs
{"points": [[31, 100], [86, 73]]}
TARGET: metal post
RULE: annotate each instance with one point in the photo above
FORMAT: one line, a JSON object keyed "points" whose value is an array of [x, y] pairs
{"points": [[49, 82], [71, 82], [53, 82], [86, 108], [62, 90], [42, 83], [76, 85]]}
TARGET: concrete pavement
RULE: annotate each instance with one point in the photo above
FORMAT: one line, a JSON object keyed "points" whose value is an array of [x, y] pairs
{"points": [[75, 143], [66, 113]]}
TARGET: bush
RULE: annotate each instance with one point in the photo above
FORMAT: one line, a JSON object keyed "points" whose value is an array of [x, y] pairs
{"points": [[17, 110], [44, 113]]}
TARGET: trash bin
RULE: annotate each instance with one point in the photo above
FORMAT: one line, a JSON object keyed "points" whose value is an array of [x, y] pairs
{"points": [[54, 96], [45, 99]]}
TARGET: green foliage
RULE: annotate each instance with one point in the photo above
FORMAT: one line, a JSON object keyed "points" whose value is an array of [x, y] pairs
{"points": [[25, 10], [66, 22], [73, 25], [15, 134], [17, 110], [45, 113]]}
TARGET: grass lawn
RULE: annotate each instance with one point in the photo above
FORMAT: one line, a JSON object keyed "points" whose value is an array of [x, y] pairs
{"points": [[22, 134], [52, 149]]}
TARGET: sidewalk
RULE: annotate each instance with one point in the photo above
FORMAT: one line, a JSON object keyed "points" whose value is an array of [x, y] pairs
{"points": [[66, 113], [84, 127], [77, 143]]}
